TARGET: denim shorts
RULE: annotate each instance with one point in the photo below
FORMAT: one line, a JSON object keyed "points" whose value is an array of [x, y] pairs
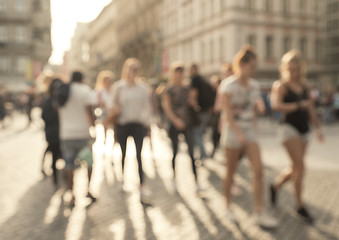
{"points": [[70, 150], [287, 131]]}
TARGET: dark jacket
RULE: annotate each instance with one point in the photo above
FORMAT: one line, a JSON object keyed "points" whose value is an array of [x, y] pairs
{"points": [[51, 118]]}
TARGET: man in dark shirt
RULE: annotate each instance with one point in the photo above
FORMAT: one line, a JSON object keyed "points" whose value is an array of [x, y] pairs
{"points": [[202, 98]]}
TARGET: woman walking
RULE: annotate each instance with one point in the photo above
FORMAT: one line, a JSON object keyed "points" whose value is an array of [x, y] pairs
{"points": [[291, 96], [176, 103], [50, 117], [240, 100], [131, 106]]}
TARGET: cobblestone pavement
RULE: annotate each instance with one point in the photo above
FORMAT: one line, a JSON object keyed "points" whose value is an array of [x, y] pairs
{"points": [[32, 208]]}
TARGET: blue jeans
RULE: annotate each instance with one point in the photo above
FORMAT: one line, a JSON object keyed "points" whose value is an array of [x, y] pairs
{"points": [[198, 132]]}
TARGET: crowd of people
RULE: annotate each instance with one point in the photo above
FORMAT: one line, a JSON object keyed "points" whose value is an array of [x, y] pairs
{"points": [[229, 103]]}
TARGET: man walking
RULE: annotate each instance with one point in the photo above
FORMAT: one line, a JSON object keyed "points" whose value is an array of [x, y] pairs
{"points": [[76, 117]]}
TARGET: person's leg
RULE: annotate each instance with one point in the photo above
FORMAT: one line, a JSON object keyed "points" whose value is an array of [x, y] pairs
{"points": [[198, 132], [173, 135], [232, 156], [295, 148], [253, 153], [138, 133], [43, 161], [189, 140], [121, 136], [55, 149]]}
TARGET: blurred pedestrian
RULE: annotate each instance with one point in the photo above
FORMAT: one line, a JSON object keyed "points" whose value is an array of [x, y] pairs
{"points": [[176, 104], [202, 99], [215, 115], [241, 100], [103, 87], [291, 96], [130, 103], [76, 117], [336, 104], [30, 96], [50, 116], [3, 111]]}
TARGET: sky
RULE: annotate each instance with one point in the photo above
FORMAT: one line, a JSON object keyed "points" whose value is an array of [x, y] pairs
{"points": [[65, 15]]}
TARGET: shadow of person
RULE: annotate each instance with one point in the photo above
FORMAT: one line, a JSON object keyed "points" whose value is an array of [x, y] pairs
{"points": [[39, 215]]}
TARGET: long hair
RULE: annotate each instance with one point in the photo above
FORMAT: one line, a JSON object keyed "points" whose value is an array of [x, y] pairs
{"points": [[245, 55], [126, 67], [100, 79], [296, 57], [174, 66]]}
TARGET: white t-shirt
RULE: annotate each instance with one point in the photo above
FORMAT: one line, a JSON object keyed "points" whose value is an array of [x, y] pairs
{"points": [[243, 100], [74, 122], [134, 102]]}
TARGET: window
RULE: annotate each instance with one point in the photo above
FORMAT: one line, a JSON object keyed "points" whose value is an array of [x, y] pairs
{"points": [[21, 35], [317, 49], [249, 4], [3, 34], [3, 6], [268, 5], [286, 6], [303, 46], [36, 5], [21, 64], [37, 34], [4, 64], [202, 55], [20, 6], [287, 44], [302, 6], [221, 49], [269, 47], [251, 40]]}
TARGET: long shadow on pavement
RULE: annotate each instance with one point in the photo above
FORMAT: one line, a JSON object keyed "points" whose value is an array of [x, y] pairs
{"points": [[29, 220]]}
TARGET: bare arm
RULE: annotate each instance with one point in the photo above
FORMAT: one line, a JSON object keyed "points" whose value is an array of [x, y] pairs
{"points": [[314, 118]]}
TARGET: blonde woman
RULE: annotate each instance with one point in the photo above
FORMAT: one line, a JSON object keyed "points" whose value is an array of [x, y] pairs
{"points": [[241, 98], [103, 87], [291, 96], [131, 103], [175, 102]]}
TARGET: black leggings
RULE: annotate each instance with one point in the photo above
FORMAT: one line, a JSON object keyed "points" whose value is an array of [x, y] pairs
{"points": [[138, 132], [173, 135], [54, 148]]}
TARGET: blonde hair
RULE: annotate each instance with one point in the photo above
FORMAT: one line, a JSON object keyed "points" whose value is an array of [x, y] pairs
{"points": [[173, 67], [296, 57], [101, 76], [245, 55], [126, 67]]}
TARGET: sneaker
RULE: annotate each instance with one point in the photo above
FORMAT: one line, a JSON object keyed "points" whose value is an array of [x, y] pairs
{"points": [[264, 220], [305, 215], [273, 195], [229, 214]]}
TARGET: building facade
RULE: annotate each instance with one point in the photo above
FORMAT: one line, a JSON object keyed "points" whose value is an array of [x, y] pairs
{"points": [[332, 42], [103, 43], [138, 33], [210, 32], [25, 40]]}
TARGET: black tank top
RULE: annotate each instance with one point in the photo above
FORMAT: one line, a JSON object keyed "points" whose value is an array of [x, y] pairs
{"points": [[300, 117]]}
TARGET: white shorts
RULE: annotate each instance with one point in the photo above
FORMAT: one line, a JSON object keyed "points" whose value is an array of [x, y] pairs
{"points": [[287, 131], [229, 139]]}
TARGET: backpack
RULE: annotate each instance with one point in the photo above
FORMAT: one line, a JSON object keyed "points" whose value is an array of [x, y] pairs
{"points": [[62, 94]]}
